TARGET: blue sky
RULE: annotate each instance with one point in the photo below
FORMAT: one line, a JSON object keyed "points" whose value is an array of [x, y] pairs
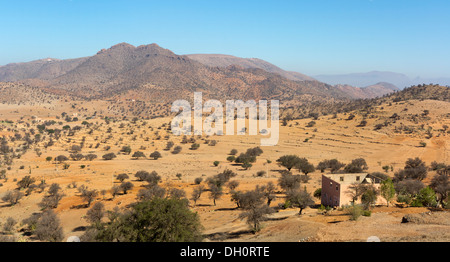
{"points": [[312, 37]]}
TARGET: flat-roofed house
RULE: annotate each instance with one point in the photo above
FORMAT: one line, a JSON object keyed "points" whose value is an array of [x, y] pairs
{"points": [[335, 187]]}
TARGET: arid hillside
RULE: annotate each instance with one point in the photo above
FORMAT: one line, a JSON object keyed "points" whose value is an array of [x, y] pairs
{"points": [[82, 148], [217, 60]]}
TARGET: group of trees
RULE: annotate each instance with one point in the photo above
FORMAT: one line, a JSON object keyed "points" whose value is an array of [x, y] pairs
{"points": [[54, 195], [45, 225], [357, 165], [25, 187], [216, 184], [320, 108], [255, 208], [407, 187], [108, 156], [245, 159], [159, 215], [296, 196], [406, 184], [293, 161], [163, 214], [160, 219], [412, 191], [367, 193], [256, 204]]}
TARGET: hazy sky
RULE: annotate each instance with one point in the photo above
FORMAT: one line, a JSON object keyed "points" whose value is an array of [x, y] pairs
{"points": [[311, 37]]}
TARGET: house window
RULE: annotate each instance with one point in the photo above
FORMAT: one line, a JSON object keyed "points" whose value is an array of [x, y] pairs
{"points": [[341, 178], [357, 178], [337, 188], [331, 184]]}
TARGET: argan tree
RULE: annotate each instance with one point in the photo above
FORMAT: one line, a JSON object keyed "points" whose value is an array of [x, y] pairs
{"points": [[408, 189], [90, 157], [61, 158], [109, 156], [155, 155], [138, 154], [9, 224], [304, 166], [369, 198], [268, 192], [255, 210], [122, 177], [300, 199], [332, 164], [152, 179], [126, 186], [89, 196], [177, 150], [414, 168], [288, 161], [115, 191], [197, 193], [151, 192], [358, 165], [155, 220], [355, 191], [25, 182], [96, 213], [215, 192], [126, 150], [48, 227], [288, 181], [176, 193], [53, 197], [141, 175], [387, 190], [441, 184], [12, 197]]}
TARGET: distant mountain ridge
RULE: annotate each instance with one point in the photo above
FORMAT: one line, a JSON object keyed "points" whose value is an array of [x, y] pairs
{"points": [[370, 78], [158, 74], [45, 69], [218, 60], [372, 91]]}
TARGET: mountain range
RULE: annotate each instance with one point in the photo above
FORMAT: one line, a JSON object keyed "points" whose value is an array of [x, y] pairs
{"points": [[153, 73], [218, 60], [366, 79]]}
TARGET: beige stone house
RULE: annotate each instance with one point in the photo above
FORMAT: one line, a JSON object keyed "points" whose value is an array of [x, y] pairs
{"points": [[335, 187]]}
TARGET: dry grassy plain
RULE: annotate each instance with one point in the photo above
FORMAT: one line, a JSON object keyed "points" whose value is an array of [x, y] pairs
{"points": [[328, 138]]}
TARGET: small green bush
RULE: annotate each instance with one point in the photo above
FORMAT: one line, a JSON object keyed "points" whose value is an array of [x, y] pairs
{"points": [[198, 180], [367, 213], [355, 212], [416, 203]]}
